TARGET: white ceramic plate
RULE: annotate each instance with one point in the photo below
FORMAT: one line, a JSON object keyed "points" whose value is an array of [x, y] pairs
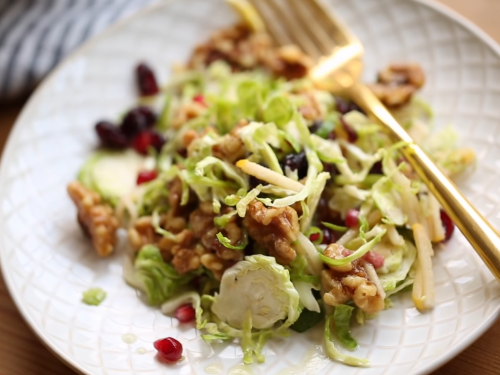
{"points": [[47, 263]]}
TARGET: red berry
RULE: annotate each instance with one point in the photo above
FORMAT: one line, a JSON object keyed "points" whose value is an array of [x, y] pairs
{"points": [[146, 80], [352, 218], [185, 313], [296, 162], [147, 139], [448, 225], [328, 236], [200, 99], [169, 349], [142, 142], [374, 258], [110, 135], [136, 120], [344, 106], [352, 136], [314, 237], [377, 168], [146, 176]]}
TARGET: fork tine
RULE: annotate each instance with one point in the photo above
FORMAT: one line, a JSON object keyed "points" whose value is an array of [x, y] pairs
{"points": [[314, 25], [296, 25], [335, 28], [272, 26], [283, 25]]}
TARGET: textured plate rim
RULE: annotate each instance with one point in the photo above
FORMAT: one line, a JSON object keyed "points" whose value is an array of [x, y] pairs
{"points": [[35, 97]]}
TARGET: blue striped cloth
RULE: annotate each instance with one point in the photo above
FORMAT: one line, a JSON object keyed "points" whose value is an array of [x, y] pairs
{"points": [[36, 34]]}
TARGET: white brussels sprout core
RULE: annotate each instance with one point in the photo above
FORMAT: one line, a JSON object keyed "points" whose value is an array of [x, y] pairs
{"points": [[259, 285]]}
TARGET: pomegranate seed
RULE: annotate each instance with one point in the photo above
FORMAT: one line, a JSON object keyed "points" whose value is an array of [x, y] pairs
{"points": [[374, 258], [146, 80], [169, 349], [314, 237], [147, 139], [137, 120], [146, 176], [448, 225], [347, 252], [200, 99], [352, 136], [110, 135], [185, 313], [352, 218]]}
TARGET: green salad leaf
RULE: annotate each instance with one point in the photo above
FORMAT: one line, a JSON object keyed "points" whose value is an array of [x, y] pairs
{"points": [[93, 296], [157, 279]]}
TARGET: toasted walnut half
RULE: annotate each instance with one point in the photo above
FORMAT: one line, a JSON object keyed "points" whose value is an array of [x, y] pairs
{"points": [[397, 83], [96, 218], [243, 49], [342, 286], [274, 229]]}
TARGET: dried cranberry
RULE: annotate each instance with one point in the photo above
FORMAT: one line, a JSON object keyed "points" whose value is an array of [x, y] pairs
{"points": [[169, 349], [254, 182], [146, 80], [183, 152], [352, 136], [315, 126], [328, 236], [200, 99], [352, 218], [185, 313], [137, 120], [377, 168], [374, 258], [448, 225], [110, 135], [147, 139], [297, 162], [330, 168], [146, 176], [345, 106], [148, 114]]}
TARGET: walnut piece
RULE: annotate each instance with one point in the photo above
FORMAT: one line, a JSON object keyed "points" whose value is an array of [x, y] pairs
{"points": [[230, 148], [191, 246], [336, 251], [397, 83], [244, 50], [96, 218], [201, 221], [355, 285], [186, 260], [274, 229]]}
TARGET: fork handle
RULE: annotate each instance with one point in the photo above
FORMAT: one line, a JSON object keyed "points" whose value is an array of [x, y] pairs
{"points": [[478, 231]]}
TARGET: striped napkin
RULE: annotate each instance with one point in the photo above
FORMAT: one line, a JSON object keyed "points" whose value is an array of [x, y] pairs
{"points": [[36, 34]]}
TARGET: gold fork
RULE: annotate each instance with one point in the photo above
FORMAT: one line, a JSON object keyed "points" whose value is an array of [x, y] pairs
{"points": [[338, 58]]}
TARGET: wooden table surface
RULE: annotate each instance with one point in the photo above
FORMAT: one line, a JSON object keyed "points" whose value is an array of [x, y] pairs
{"points": [[21, 353]]}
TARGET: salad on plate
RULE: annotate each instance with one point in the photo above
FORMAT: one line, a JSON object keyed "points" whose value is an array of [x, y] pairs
{"points": [[256, 203]]}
